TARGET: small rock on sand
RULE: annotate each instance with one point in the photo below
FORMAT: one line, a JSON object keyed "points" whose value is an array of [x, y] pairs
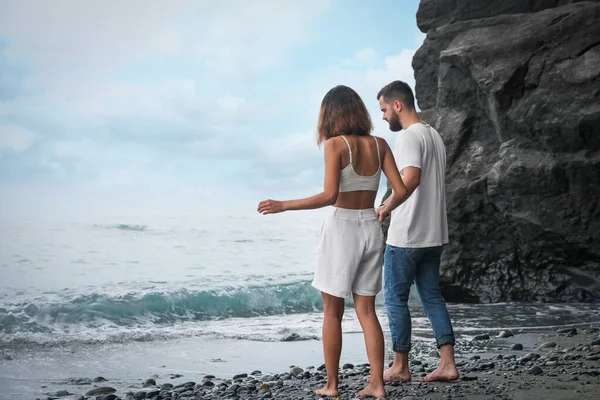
{"points": [[535, 371], [101, 390]]}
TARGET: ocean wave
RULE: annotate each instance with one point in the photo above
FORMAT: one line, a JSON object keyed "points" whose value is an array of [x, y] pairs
{"points": [[157, 308], [123, 227], [126, 227]]}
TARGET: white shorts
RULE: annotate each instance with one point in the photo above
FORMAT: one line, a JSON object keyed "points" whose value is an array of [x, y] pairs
{"points": [[350, 255]]}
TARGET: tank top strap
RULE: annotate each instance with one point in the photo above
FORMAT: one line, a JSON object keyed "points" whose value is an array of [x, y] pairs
{"points": [[349, 149], [378, 154]]}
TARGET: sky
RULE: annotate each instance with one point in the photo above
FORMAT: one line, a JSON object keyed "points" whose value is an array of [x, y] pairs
{"points": [[156, 107]]}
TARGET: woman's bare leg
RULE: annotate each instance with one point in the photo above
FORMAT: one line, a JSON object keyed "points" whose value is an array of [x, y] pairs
{"points": [[365, 310], [332, 342]]}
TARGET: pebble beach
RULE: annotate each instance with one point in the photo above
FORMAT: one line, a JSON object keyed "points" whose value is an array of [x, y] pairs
{"points": [[561, 364]]}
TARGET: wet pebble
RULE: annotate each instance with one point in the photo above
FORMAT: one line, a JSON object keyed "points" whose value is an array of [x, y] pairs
{"points": [[567, 331], [535, 371]]}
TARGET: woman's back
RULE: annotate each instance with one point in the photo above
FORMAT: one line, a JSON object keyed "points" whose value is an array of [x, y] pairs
{"points": [[360, 166]]}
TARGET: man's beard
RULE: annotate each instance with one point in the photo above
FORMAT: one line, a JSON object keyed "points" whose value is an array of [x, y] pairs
{"points": [[394, 123]]}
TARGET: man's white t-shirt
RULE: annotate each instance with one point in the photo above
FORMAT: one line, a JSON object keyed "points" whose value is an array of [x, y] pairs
{"points": [[421, 220]]}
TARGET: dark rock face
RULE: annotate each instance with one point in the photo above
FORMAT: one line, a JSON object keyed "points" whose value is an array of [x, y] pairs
{"points": [[517, 100], [436, 13]]}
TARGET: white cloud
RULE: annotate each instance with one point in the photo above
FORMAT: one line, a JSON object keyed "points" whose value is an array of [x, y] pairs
{"points": [[246, 35], [76, 38], [166, 130], [229, 103], [14, 138], [74, 44], [364, 57]]}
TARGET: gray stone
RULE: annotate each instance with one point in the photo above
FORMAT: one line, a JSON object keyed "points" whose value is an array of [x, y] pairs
{"points": [[100, 391], [484, 336], [436, 13], [516, 346], [535, 371], [512, 88], [547, 345], [151, 382], [567, 331], [505, 334], [296, 371], [139, 395]]}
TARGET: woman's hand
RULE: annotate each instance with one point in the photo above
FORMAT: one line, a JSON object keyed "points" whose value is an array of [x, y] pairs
{"points": [[382, 212], [270, 207]]}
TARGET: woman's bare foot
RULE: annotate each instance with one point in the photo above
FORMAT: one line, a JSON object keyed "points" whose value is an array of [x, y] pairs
{"points": [[373, 391], [327, 390], [442, 373], [396, 375]]}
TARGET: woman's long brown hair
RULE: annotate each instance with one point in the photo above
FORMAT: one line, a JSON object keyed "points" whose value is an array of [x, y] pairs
{"points": [[342, 113]]}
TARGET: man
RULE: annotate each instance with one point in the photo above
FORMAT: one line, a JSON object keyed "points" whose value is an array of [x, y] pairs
{"points": [[417, 231]]}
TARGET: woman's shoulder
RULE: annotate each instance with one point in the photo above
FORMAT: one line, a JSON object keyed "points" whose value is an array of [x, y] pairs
{"points": [[381, 142], [334, 143]]}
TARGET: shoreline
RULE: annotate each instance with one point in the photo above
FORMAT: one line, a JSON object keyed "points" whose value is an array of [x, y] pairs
{"points": [[557, 364]]}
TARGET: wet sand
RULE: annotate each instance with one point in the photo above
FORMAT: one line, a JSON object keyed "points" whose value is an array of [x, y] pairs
{"points": [[563, 364]]}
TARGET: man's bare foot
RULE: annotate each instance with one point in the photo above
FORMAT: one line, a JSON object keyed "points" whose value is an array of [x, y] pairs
{"points": [[442, 373], [327, 390], [373, 391], [396, 375]]}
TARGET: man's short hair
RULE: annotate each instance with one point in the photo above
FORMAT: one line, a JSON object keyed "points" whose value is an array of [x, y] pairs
{"points": [[398, 90]]}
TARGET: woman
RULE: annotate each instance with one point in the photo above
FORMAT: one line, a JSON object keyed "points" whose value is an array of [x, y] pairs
{"points": [[350, 252]]}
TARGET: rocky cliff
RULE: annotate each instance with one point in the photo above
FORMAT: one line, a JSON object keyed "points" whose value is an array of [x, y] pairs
{"points": [[513, 86]]}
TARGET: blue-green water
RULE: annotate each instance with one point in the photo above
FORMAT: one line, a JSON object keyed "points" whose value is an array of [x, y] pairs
{"points": [[197, 294]]}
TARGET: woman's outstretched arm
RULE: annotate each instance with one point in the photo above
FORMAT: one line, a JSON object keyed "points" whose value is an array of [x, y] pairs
{"points": [[326, 198]]}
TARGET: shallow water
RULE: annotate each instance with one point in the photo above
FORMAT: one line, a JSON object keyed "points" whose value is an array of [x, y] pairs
{"points": [[125, 297]]}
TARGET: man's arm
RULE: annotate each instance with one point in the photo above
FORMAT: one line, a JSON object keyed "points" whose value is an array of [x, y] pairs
{"points": [[408, 158], [412, 179]]}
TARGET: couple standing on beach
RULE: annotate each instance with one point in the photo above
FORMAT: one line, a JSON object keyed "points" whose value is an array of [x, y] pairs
{"points": [[351, 245]]}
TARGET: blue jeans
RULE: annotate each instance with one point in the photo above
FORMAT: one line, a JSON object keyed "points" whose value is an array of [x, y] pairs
{"points": [[402, 267]]}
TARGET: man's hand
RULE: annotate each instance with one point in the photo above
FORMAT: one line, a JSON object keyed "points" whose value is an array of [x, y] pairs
{"points": [[382, 212], [270, 207]]}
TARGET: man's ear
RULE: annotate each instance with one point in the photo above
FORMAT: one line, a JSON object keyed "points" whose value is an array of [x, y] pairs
{"points": [[398, 106]]}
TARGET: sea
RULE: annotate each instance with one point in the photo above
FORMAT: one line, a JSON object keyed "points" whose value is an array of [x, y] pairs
{"points": [[179, 297]]}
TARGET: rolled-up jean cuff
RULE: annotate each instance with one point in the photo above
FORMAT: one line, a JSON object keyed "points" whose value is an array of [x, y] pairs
{"points": [[444, 340], [401, 349]]}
